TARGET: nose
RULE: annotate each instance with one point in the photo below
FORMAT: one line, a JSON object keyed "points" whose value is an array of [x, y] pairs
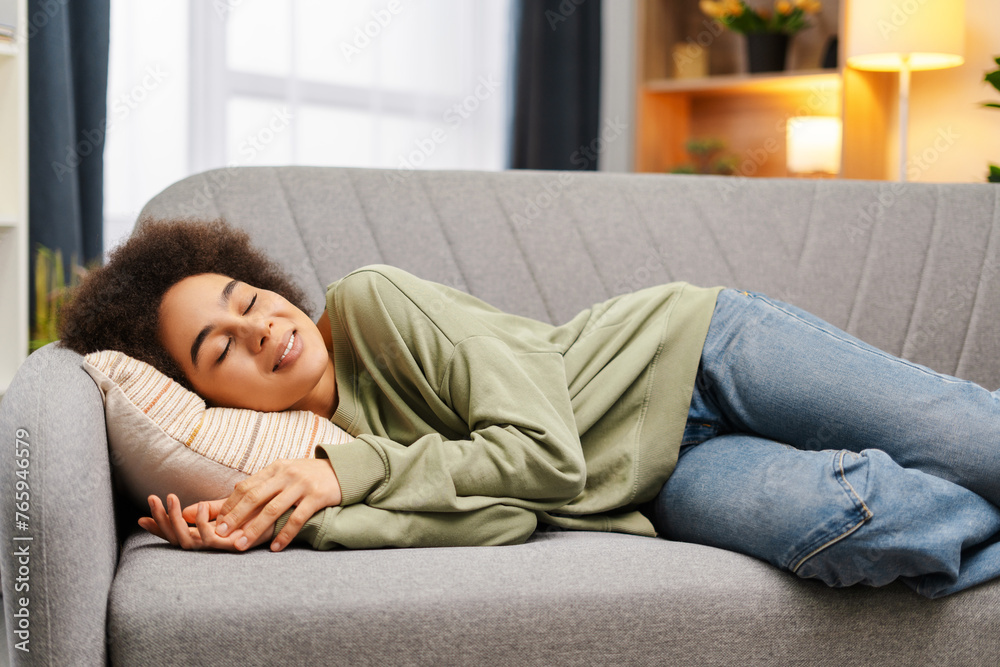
{"points": [[255, 331]]}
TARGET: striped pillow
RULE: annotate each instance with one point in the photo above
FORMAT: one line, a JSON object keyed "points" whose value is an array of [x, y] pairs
{"points": [[163, 438]]}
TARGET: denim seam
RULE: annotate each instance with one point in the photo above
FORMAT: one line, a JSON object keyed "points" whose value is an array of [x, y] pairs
{"points": [[875, 351], [843, 476], [829, 543], [867, 515], [724, 355]]}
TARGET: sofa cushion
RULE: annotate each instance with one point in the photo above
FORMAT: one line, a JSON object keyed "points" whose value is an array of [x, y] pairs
{"points": [[562, 598], [164, 439]]}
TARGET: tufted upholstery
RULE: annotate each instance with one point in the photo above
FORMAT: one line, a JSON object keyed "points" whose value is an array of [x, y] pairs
{"points": [[911, 268]]}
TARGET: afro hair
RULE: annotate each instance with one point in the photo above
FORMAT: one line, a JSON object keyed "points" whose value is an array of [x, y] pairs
{"points": [[116, 307]]}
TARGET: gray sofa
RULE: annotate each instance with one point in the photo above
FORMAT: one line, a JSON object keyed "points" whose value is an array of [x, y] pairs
{"points": [[910, 268]]}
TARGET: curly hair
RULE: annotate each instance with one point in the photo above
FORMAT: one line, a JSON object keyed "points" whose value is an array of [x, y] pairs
{"points": [[117, 306]]}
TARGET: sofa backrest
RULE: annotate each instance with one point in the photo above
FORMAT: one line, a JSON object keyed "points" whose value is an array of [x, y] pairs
{"points": [[911, 268]]}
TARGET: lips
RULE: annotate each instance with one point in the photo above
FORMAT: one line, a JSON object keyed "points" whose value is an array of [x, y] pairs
{"points": [[288, 352]]}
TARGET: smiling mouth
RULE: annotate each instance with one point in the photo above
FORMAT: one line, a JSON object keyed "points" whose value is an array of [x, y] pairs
{"points": [[288, 348]]}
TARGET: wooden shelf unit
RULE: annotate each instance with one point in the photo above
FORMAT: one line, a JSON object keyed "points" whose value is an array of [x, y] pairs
{"points": [[749, 112], [13, 202]]}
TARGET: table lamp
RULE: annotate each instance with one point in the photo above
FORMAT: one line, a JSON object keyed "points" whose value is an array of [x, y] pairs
{"points": [[894, 36], [813, 146]]}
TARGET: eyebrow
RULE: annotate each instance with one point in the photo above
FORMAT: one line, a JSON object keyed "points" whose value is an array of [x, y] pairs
{"points": [[227, 293]]}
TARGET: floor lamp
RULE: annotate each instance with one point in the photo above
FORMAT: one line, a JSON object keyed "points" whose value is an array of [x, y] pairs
{"points": [[904, 37]]}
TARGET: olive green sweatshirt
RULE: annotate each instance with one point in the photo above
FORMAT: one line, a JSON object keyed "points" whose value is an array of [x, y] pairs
{"points": [[472, 424]]}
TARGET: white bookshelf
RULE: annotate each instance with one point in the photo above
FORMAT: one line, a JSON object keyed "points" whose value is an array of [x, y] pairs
{"points": [[13, 201]]}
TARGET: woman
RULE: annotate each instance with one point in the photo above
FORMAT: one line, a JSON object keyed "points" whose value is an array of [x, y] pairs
{"points": [[712, 415]]}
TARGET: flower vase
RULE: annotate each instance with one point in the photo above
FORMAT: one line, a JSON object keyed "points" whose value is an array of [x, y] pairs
{"points": [[766, 51]]}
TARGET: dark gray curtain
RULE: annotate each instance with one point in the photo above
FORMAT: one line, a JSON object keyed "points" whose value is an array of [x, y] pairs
{"points": [[558, 89], [67, 113]]}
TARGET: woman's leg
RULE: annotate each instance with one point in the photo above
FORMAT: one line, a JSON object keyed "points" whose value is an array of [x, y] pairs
{"points": [[838, 516], [776, 371]]}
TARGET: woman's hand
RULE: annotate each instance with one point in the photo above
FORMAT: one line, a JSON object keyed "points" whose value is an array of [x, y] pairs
{"points": [[261, 499], [171, 524]]}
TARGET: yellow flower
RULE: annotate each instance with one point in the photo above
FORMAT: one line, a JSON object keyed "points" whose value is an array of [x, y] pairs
{"points": [[712, 9], [783, 7], [733, 7], [809, 6]]}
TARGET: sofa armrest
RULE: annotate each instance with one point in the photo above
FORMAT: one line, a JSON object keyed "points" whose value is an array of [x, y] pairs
{"points": [[63, 566]]}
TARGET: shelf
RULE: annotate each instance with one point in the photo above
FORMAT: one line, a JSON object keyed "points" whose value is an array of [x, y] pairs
{"points": [[739, 84], [749, 112], [7, 222], [8, 47]]}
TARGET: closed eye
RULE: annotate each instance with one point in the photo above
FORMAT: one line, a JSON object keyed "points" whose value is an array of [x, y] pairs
{"points": [[224, 352], [229, 344]]}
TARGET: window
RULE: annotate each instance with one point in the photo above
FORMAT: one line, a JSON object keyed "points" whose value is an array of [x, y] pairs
{"points": [[410, 84]]}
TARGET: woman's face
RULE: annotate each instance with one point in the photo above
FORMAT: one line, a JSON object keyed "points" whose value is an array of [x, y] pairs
{"points": [[245, 347]]}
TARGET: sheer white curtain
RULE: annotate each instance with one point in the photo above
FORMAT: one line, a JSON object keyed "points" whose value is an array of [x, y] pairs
{"points": [[408, 84]]}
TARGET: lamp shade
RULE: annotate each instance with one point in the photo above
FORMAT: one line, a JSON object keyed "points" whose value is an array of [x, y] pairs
{"points": [[928, 34]]}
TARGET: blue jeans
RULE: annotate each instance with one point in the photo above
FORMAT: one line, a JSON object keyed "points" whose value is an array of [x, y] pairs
{"points": [[834, 460]]}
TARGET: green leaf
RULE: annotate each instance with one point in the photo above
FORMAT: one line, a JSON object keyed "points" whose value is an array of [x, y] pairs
{"points": [[994, 176], [994, 78], [993, 105]]}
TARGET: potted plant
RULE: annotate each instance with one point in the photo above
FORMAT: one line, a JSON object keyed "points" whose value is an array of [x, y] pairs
{"points": [[993, 78], [707, 158], [51, 292], [767, 32]]}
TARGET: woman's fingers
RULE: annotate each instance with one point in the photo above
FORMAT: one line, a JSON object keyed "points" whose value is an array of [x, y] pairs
{"points": [[248, 497], [190, 513], [206, 529], [260, 527], [171, 523], [303, 512], [253, 508], [159, 516], [182, 530], [149, 524]]}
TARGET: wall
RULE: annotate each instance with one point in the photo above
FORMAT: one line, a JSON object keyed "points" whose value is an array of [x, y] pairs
{"points": [[952, 137]]}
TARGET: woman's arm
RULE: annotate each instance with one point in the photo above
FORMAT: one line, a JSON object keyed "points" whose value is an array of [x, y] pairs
{"points": [[362, 526], [423, 357]]}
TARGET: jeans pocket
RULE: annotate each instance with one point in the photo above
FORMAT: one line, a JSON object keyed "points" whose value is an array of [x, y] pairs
{"points": [[762, 498], [837, 521]]}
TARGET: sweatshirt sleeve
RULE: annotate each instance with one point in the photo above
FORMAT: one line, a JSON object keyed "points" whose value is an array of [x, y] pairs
{"points": [[361, 526], [517, 443]]}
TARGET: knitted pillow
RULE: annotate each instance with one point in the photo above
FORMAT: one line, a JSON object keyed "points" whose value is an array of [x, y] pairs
{"points": [[163, 438]]}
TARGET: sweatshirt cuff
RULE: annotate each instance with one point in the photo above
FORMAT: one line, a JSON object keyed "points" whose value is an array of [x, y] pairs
{"points": [[359, 468], [310, 529]]}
